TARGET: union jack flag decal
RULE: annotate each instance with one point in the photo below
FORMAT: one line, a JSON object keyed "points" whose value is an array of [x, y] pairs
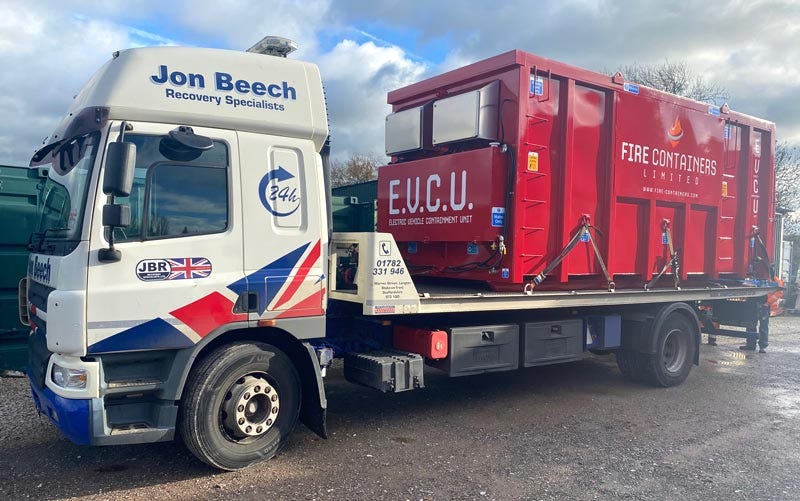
{"points": [[188, 267]]}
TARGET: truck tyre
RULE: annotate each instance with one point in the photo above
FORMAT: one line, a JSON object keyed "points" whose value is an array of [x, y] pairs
{"points": [[675, 350], [240, 404], [631, 364]]}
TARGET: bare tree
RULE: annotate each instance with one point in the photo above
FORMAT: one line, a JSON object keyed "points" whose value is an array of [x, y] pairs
{"points": [[357, 169], [675, 78], [787, 182]]}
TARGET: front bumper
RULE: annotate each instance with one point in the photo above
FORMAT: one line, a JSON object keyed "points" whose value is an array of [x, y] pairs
{"points": [[72, 417], [84, 415]]}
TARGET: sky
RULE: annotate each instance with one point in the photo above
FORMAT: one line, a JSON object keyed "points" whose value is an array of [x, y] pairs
{"points": [[49, 49]]}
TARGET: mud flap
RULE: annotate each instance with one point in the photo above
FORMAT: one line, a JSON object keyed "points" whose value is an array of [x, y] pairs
{"points": [[314, 406]]}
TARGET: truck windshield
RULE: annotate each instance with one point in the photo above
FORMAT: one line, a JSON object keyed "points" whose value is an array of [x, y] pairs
{"points": [[63, 197]]}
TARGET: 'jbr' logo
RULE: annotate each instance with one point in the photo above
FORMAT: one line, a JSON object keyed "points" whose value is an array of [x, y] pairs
{"points": [[152, 269]]}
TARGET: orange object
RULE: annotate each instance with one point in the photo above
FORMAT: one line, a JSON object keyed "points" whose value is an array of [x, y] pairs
{"points": [[774, 300], [428, 343]]}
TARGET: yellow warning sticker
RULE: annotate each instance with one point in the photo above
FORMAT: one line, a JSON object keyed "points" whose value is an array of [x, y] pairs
{"points": [[724, 188], [533, 161]]}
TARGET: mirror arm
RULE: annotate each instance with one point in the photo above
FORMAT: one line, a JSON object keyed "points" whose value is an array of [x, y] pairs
{"points": [[111, 254], [123, 127]]}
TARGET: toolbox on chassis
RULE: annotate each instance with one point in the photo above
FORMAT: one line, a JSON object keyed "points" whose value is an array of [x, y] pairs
{"points": [[184, 277]]}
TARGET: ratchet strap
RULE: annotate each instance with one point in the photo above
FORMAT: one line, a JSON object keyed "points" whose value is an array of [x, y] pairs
{"points": [[583, 234], [755, 237], [672, 262]]}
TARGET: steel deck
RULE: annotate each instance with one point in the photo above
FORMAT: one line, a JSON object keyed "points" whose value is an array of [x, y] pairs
{"points": [[448, 300]]}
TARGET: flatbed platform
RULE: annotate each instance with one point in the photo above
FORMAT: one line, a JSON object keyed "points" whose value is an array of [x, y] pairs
{"points": [[382, 285], [437, 299]]}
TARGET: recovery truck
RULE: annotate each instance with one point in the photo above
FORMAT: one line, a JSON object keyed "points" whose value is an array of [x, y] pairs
{"points": [[185, 279]]}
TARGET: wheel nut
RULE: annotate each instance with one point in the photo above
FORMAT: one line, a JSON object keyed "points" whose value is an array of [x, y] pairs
{"points": [[267, 389], [274, 397], [240, 408], [248, 429], [274, 410], [241, 420], [269, 422], [257, 389], [258, 430], [247, 396]]}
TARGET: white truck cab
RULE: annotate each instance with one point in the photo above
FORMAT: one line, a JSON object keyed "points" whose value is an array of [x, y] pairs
{"points": [[185, 199]]}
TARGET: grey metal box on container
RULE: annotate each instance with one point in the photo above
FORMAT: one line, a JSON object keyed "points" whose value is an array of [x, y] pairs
{"points": [[481, 348], [551, 342]]}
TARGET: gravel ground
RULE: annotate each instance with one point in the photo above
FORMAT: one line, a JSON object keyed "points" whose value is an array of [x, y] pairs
{"points": [[574, 431]]}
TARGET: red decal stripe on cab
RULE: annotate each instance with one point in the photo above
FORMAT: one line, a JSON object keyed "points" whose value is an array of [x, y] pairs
{"points": [[302, 273], [308, 307], [208, 313]]}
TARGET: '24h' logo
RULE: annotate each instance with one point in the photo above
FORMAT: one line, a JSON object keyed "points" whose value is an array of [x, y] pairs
{"points": [[282, 197]]}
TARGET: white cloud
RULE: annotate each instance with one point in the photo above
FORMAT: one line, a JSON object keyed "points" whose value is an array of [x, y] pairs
{"points": [[49, 49], [749, 47], [357, 78], [47, 55]]}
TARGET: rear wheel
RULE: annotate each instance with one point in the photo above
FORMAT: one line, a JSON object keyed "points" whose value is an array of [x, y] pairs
{"points": [[675, 350], [240, 405]]}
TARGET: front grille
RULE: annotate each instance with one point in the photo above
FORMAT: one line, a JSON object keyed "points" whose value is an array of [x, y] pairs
{"points": [[37, 294], [38, 356]]}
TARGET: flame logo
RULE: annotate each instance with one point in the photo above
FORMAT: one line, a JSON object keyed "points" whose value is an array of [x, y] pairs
{"points": [[675, 132]]}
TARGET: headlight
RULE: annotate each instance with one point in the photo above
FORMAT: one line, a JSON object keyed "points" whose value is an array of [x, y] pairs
{"points": [[69, 378]]}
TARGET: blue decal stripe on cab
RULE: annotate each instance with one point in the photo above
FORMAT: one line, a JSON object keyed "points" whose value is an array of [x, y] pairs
{"points": [[267, 281], [155, 334]]}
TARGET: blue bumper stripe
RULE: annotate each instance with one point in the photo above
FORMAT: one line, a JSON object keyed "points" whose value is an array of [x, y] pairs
{"points": [[69, 416]]}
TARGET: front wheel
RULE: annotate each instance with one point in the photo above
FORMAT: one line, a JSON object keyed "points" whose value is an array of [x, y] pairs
{"points": [[240, 405], [675, 350]]}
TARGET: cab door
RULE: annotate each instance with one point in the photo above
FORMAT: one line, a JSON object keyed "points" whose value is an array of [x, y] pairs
{"points": [[285, 234], [181, 252]]}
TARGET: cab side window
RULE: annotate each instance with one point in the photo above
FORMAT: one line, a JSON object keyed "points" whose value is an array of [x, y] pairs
{"points": [[172, 198], [186, 200]]}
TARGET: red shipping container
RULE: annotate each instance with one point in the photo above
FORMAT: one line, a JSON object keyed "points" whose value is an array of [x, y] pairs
{"points": [[498, 197], [428, 343]]}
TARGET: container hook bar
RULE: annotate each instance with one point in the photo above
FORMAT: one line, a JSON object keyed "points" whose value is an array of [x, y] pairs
{"points": [[583, 234], [672, 262]]}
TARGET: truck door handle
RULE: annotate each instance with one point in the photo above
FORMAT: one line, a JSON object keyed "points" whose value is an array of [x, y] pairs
{"points": [[246, 302]]}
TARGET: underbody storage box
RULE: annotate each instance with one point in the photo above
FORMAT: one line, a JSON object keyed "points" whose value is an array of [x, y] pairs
{"points": [[481, 348], [385, 370], [552, 342]]}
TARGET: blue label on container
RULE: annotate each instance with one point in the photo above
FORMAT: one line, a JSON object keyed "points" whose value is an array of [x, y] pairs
{"points": [[537, 86], [631, 87], [472, 249], [664, 239], [504, 273], [713, 110], [585, 236], [498, 216], [412, 247], [752, 242]]}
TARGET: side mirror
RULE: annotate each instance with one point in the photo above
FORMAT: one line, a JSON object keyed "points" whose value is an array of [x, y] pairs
{"points": [[116, 216], [117, 182], [120, 164]]}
